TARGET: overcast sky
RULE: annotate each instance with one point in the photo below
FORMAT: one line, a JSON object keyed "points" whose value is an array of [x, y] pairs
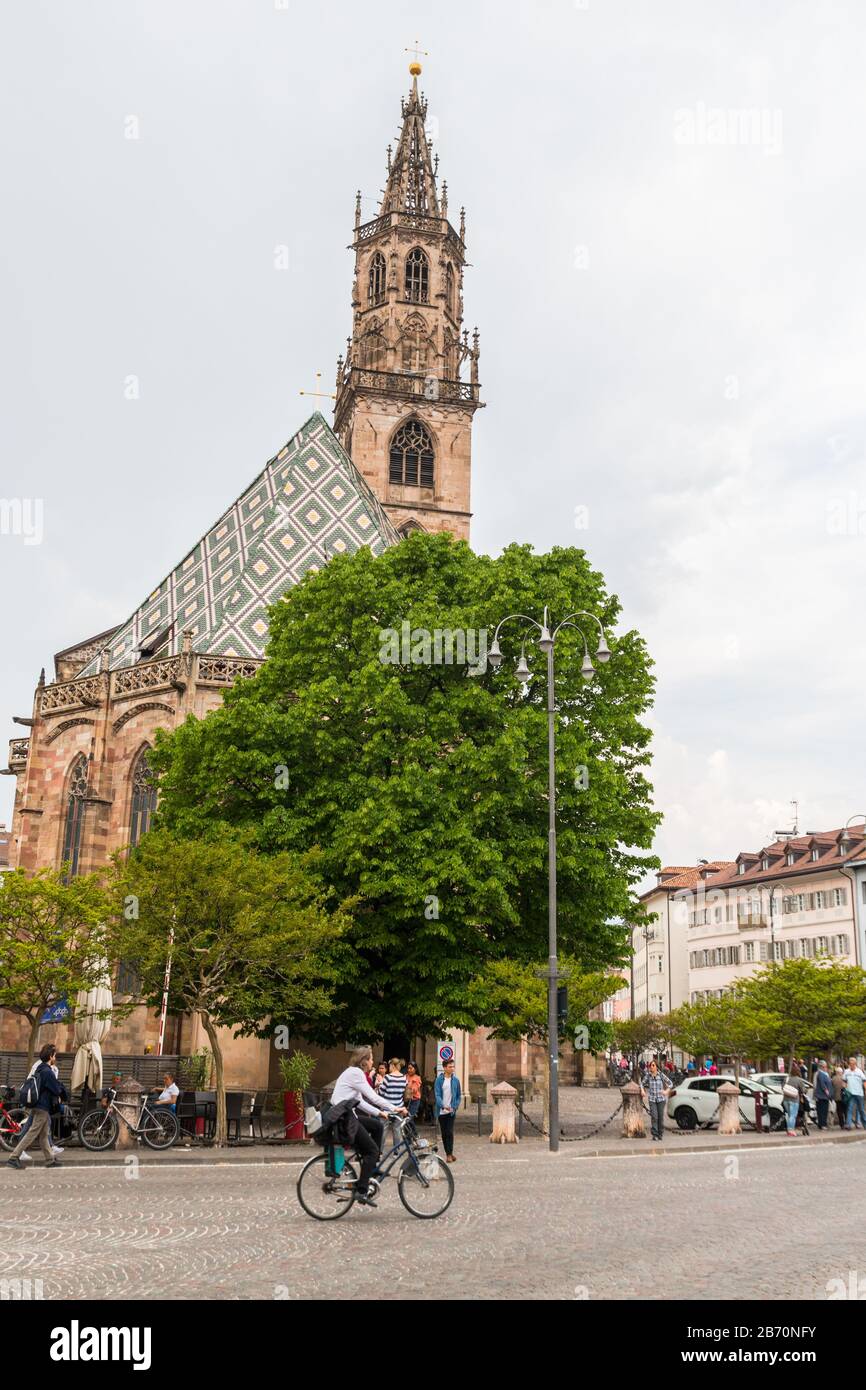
{"points": [[666, 235]]}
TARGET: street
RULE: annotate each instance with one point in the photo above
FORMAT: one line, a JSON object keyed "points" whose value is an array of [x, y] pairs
{"points": [[524, 1224]]}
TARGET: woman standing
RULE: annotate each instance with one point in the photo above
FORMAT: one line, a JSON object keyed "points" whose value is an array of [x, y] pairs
{"points": [[794, 1092], [413, 1090]]}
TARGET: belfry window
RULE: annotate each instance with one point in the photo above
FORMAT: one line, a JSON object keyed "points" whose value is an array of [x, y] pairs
{"points": [[75, 802], [417, 276], [411, 456], [415, 345], [376, 282], [143, 799], [373, 350]]}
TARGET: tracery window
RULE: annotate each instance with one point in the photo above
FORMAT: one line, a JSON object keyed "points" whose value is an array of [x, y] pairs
{"points": [[76, 793], [417, 276], [376, 281], [143, 798], [411, 456], [373, 349]]}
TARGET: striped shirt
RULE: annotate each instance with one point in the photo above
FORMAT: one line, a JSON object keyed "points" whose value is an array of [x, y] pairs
{"points": [[392, 1087]]}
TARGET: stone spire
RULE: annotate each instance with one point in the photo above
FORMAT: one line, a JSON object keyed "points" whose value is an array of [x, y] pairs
{"points": [[411, 185]]}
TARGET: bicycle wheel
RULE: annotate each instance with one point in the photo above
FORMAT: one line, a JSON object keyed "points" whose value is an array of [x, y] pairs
{"points": [[159, 1129], [11, 1125], [324, 1198], [426, 1187], [98, 1130]]}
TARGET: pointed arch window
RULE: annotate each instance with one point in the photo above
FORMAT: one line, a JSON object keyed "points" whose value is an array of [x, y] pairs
{"points": [[449, 288], [376, 280], [143, 798], [411, 460], [415, 345], [74, 823], [373, 349], [417, 276]]}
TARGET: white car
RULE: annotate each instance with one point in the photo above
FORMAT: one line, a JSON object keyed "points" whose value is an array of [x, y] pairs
{"points": [[694, 1101]]}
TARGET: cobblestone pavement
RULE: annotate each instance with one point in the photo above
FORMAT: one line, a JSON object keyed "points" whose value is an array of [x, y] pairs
{"points": [[524, 1224]]}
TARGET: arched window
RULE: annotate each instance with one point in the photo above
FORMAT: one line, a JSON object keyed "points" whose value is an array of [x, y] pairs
{"points": [[373, 349], [449, 288], [376, 282], [415, 345], [75, 795], [143, 798], [417, 276], [411, 456]]}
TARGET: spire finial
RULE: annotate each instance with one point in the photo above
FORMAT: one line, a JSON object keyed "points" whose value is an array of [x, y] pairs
{"points": [[358, 208], [462, 224], [415, 66]]}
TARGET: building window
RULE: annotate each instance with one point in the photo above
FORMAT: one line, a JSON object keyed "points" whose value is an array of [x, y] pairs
{"points": [[863, 890], [449, 288], [143, 801], [376, 280], [411, 456], [417, 276], [821, 945], [128, 978], [741, 868], [77, 791], [820, 899], [789, 859], [840, 897], [373, 350], [749, 948], [816, 854]]}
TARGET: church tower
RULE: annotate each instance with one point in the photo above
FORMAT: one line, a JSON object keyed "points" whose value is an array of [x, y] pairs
{"points": [[408, 389]]}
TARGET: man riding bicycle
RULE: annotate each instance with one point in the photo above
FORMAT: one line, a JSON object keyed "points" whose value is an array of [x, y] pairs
{"points": [[363, 1132]]}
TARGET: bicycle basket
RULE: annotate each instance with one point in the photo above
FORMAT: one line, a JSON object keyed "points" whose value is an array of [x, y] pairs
{"points": [[430, 1169]]}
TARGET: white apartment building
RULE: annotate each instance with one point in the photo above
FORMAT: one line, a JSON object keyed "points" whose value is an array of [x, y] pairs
{"points": [[804, 896], [659, 977]]}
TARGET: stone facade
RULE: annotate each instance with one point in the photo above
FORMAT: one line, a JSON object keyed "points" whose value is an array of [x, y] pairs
{"points": [[403, 411]]}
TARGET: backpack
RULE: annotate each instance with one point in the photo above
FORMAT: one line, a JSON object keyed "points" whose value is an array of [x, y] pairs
{"points": [[28, 1096]]}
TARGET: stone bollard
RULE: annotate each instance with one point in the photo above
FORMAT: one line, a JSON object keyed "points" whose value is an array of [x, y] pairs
{"points": [[128, 1101], [504, 1114], [633, 1116], [729, 1108]]}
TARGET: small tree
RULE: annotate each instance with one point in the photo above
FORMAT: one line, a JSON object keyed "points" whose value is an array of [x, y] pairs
{"points": [[806, 1006], [512, 998], [51, 941], [253, 942]]}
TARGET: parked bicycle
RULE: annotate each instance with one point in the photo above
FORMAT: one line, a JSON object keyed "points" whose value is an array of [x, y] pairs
{"points": [[424, 1182], [13, 1118], [99, 1128]]}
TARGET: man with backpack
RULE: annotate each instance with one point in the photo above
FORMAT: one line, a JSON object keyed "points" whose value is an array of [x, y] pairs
{"points": [[41, 1093]]}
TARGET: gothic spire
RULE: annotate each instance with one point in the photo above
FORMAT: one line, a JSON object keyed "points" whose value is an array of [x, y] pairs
{"points": [[411, 185]]}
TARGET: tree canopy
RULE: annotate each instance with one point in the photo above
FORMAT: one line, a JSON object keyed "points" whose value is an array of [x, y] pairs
{"points": [[424, 787]]}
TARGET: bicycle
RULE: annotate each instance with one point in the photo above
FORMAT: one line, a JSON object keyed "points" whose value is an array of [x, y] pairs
{"points": [[99, 1128], [12, 1119], [425, 1182]]}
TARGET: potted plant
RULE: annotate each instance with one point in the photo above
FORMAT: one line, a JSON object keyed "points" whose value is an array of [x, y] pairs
{"points": [[296, 1072]]}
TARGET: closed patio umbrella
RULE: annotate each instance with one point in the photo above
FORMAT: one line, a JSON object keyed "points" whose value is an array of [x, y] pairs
{"points": [[90, 1032]]}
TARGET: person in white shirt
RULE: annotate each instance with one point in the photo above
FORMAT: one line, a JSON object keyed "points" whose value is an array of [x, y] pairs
{"points": [[853, 1079], [170, 1091], [352, 1086]]}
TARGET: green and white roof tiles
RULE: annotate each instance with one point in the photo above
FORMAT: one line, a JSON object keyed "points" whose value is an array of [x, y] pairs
{"points": [[309, 504]]}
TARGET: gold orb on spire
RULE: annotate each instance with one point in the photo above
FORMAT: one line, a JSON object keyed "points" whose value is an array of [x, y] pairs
{"points": [[415, 69]]}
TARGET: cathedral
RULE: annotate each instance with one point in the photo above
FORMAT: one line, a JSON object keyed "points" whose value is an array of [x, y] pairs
{"points": [[398, 458]]}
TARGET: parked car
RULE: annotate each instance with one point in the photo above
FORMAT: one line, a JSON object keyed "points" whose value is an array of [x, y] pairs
{"points": [[694, 1101], [775, 1080]]}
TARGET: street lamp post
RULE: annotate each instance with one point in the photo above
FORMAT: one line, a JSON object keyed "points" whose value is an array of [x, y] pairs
{"points": [[546, 640]]}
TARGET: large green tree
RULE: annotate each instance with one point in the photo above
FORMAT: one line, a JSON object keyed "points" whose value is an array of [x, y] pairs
{"points": [[251, 939], [51, 941], [425, 787]]}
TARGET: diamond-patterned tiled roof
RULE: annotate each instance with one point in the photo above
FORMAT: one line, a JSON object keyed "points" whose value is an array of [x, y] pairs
{"points": [[308, 504]]}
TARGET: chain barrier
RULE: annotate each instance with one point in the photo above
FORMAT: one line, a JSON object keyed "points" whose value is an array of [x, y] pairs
{"points": [[569, 1138]]}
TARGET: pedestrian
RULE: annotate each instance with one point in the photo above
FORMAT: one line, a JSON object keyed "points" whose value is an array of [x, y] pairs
{"points": [[393, 1089], [413, 1089], [838, 1081], [823, 1094], [853, 1078], [55, 1148], [381, 1073], [804, 1070], [793, 1092], [690, 1066], [446, 1094], [655, 1091], [50, 1094]]}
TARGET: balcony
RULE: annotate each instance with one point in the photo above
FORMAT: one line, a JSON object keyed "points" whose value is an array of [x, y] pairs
{"points": [[164, 673], [418, 387], [752, 919], [415, 221]]}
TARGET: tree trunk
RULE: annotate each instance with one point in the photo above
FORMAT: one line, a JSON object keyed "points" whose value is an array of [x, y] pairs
{"points": [[31, 1045], [213, 1039]]}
